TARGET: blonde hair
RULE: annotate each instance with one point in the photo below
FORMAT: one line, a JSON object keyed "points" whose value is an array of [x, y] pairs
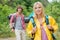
{"points": [[41, 6]]}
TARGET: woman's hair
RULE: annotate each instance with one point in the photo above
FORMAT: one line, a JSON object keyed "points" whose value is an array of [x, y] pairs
{"points": [[36, 3], [19, 7]]}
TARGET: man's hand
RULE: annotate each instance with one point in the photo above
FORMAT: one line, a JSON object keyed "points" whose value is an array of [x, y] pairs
{"points": [[12, 30]]}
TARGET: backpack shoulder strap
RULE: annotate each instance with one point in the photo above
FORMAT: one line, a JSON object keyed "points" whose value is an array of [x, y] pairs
{"points": [[47, 20], [14, 18], [32, 20]]}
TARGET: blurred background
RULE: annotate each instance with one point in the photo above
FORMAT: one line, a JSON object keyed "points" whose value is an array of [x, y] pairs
{"points": [[52, 7]]}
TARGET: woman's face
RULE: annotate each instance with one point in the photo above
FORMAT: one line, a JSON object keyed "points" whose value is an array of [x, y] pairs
{"points": [[38, 9]]}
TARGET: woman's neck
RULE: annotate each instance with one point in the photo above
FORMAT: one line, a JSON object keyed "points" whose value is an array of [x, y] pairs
{"points": [[40, 16]]}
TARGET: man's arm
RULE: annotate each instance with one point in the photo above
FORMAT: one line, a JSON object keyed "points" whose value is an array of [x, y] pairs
{"points": [[11, 23]]}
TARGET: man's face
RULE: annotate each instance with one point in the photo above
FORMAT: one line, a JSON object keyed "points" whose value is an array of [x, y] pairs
{"points": [[19, 10]]}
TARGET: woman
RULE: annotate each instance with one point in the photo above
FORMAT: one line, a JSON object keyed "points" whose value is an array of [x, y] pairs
{"points": [[41, 31]]}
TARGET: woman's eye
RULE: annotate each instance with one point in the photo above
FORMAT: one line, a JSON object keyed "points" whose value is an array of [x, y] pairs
{"points": [[35, 8], [39, 7]]}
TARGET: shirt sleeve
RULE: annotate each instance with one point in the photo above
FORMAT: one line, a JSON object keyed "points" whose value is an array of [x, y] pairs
{"points": [[53, 23], [12, 19], [29, 28]]}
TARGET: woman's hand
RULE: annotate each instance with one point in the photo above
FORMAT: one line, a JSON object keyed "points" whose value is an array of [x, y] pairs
{"points": [[50, 27], [34, 30]]}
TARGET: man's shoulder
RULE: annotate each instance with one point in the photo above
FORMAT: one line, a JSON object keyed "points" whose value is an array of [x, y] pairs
{"points": [[14, 13], [22, 14]]}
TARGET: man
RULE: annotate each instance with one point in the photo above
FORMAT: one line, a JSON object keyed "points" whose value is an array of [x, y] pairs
{"points": [[19, 24]]}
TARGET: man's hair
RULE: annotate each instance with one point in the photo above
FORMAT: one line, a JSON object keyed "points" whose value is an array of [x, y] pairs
{"points": [[19, 7]]}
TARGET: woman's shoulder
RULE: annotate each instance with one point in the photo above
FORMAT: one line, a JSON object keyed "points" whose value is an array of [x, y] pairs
{"points": [[50, 17]]}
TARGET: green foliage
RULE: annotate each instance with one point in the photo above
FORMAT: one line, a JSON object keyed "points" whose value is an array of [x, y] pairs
{"points": [[9, 6], [4, 25], [53, 9]]}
